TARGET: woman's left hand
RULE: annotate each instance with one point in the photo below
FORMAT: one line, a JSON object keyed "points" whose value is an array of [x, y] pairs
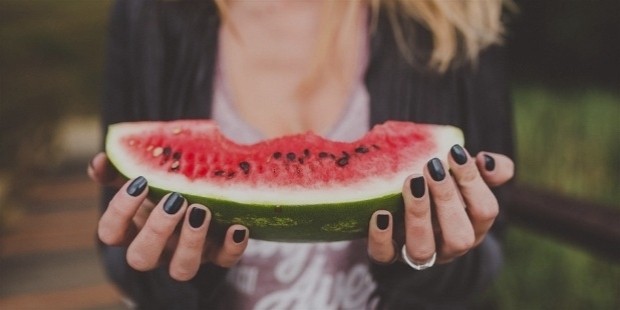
{"points": [[446, 214]]}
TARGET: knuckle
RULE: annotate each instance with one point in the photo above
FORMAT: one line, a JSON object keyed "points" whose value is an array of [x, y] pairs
{"points": [[230, 255], [468, 175], [139, 262], [193, 243], [418, 210], [382, 257], [118, 209], [461, 244], [235, 252], [381, 248], [487, 210], [417, 229], [182, 273], [157, 231], [108, 236], [226, 261], [443, 194], [421, 254]]}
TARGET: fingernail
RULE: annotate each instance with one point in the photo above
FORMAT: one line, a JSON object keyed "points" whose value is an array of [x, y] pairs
{"points": [[173, 203], [137, 186], [383, 221], [239, 235], [417, 186], [458, 154], [489, 163], [436, 169], [91, 163], [197, 217]]}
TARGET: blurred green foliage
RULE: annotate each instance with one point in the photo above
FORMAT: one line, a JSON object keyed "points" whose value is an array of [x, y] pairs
{"points": [[567, 139]]}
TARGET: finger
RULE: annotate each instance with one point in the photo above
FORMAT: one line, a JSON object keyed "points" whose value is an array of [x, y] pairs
{"points": [[188, 254], [144, 251], [420, 239], [115, 225], [143, 213], [103, 172], [380, 243], [481, 204], [235, 242], [457, 235], [496, 169]]}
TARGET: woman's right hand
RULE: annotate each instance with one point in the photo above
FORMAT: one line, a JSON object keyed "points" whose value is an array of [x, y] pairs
{"points": [[170, 232]]}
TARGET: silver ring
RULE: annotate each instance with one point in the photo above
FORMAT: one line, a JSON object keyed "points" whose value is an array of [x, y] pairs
{"points": [[415, 266]]}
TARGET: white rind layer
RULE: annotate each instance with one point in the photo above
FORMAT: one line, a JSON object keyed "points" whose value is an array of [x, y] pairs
{"points": [[366, 189]]}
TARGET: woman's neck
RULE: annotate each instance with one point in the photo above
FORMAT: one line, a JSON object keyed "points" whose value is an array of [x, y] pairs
{"points": [[266, 53]]}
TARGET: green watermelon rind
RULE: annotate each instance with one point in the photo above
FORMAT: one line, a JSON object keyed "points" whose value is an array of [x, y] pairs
{"points": [[295, 223]]}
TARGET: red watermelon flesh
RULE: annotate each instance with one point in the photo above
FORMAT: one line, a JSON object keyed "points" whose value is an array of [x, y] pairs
{"points": [[194, 158]]}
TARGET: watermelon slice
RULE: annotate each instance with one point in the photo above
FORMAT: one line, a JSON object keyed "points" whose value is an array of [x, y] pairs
{"points": [[293, 188]]}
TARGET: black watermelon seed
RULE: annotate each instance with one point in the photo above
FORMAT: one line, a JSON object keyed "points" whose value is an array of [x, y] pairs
{"points": [[277, 155], [245, 166], [323, 154], [167, 151], [176, 155], [361, 150], [291, 156], [342, 161], [306, 153]]}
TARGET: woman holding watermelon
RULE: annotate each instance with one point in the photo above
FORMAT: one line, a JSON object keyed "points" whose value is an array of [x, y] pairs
{"points": [[334, 67]]}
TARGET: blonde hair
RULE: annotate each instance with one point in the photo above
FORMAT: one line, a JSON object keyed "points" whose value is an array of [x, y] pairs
{"points": [[455, 25], [467, 25], [460, 29]]}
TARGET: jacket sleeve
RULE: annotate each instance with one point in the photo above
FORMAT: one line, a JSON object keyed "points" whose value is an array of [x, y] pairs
{"points": [[153, 289], [484, 100]]}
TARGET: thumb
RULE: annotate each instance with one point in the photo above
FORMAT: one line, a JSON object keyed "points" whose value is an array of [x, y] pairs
{"points": [[103, 172], [495, 169]]}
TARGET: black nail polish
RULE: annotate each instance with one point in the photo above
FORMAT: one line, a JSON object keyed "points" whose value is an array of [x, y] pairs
{"points": [[239, 235], [436, 169], [383, 221], [137, 186], [173, 203], [417, 187], [458, 154], [197, 217], [489, 163]]}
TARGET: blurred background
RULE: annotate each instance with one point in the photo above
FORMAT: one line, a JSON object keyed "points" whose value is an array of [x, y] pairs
{"points": [[565, 73]]}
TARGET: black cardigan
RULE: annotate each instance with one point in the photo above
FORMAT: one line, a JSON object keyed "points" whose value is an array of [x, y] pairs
{"points": [[160, 63]]}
